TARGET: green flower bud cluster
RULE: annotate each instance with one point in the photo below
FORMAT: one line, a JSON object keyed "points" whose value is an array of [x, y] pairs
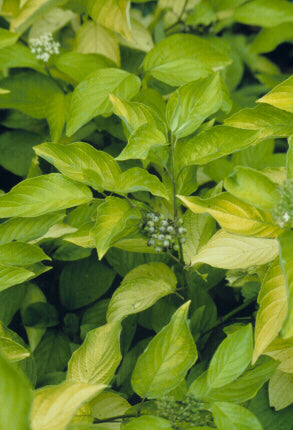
{"points": [[163, 233], [283, 211], [188, 411]]}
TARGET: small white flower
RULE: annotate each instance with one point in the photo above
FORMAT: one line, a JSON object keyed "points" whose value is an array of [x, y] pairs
{"points": [[44, 47]]}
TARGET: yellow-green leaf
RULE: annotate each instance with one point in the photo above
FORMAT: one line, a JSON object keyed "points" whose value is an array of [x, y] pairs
{"points": [[281, 390], [281, 96], [282, 350], [286, 260]]}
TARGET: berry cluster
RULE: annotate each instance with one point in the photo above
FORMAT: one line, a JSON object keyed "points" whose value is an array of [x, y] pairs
{"points": [[44, 47], [188, 411], [283, 212], [163, 233]]}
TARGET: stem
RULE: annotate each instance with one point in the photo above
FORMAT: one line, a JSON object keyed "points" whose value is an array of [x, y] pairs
{"points": [[229, 315], [53, 79], [173, 146], [179, 17], [116, 418]]}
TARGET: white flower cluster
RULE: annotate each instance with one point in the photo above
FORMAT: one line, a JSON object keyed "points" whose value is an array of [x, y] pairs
{"points": [[44, 47]]}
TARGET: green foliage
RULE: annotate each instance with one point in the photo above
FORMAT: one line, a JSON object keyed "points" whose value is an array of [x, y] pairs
{"points": [[146, 188]]}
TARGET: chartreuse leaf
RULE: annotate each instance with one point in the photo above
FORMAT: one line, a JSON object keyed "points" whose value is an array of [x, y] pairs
{"points": [[140, 289], [19, 55], [115, 220], [182, 58], [289, 158], [7, 38], [231, 358], [228, 416], [54, 406], [91, 97], [21, 254], [15, 397], [167, 358], [234, 215], [245, 387], [172, 9], [97, 359], [231, 251], [27, 229], [281, 96], [214, 143], [272, 301], [264, 13], [107, 405], [281, 390], [113, 14], [10, 276], [286, 260], [78, 66], [148, 421], [42, 194], [269, 38], [192, 103], [82, 162], [282, 350], [137, 179], [270, 121], [30, 11], [11, 346], [253, 187]]}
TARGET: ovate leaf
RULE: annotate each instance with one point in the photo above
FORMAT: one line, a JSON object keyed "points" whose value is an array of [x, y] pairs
{"points": [[264, 13], [228, 416], [272, 300], [15, 395], [11, 345], [98, 357], [231, 358], [234, 215], [148, 421], [115, 220], [282, 95], [281, 390], [91, 97], [21, 254], [253, 187], [10, 276], [55, 406], [43, 194], [7, 38], [269, 38], [181, 58], [167, 358], [229, 251], [140, 289], [286, 260], [137, 179]]}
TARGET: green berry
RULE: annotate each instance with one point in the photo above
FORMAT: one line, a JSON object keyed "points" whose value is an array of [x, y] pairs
{"points": [[151, 242], [158, 249], [176, 247], [166, 243], [181, 230], [161, 237], [182, 239], [170, 229]]}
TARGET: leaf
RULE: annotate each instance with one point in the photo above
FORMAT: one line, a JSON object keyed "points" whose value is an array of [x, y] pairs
{"points": [[167, 358], [96, 360], [231, 358], [55, 19], [192, 103], [91, 97], [272, 301], [31, 10], [92, 38], [282, 350], [113, 14], [55, 406], [229, 251], [10, 302], [140, 289], [242, 389], [148, 421], [269, 38], [137, 179], [19, 55], [11, 345], [182, 58], [40, 315], [7, 38], [43, 194], [10, 276], [141, 37], [270, 121], [253, 187], [213, 144], [83, 282], [16, 151], [141, 142], [94, 316], [15, 395], [234, 215], [264, 13], [228, 416], [281, 96], [78, 65], [115, 220], [286, 259], [281, 390], [82, 162]]}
